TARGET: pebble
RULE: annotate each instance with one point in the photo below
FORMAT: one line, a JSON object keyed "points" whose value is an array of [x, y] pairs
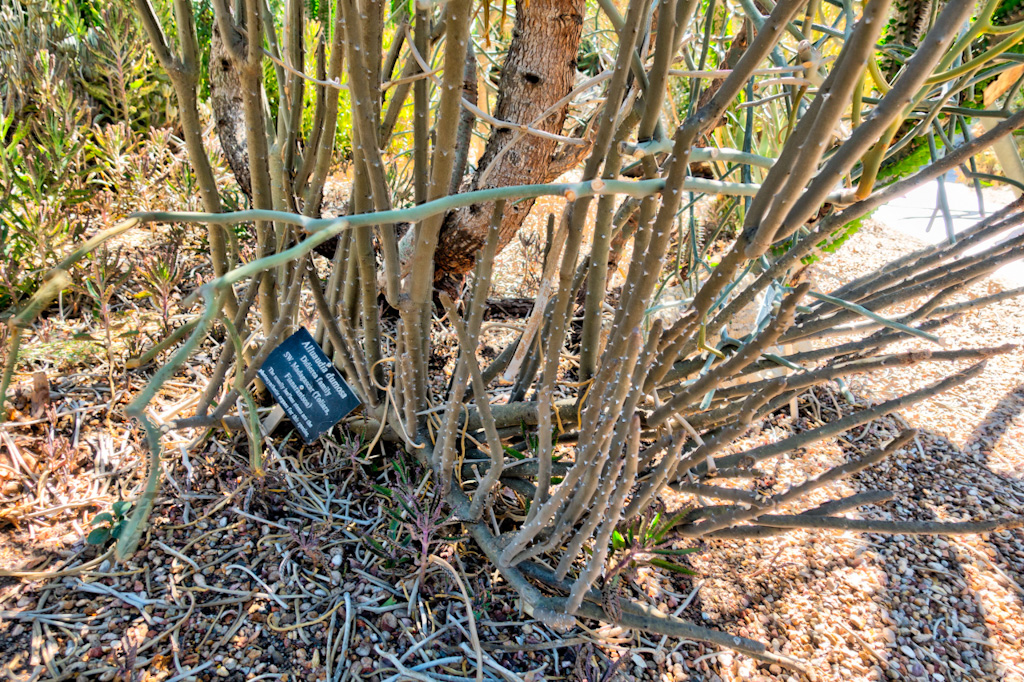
{"points": [[389, 622]]}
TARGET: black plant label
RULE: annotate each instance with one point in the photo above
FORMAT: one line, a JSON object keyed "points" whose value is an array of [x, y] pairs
{"points": [[307, 385]]}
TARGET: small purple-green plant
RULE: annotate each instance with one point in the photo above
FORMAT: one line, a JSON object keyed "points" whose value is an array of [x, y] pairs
{"points": [[162, 276], [414, 522]]}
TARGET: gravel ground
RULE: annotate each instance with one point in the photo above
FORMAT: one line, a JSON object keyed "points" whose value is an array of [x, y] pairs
{"points": [[865, 607], [241, 579]]}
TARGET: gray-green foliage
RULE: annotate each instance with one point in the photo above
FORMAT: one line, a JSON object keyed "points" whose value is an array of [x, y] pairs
{"points": [[95, 51]]}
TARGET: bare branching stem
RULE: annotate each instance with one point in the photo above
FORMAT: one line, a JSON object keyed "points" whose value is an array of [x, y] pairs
{"points": [[665, 370]]}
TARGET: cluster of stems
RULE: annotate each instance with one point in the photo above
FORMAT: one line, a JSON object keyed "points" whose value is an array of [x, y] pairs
{"points": [[645, 403]]}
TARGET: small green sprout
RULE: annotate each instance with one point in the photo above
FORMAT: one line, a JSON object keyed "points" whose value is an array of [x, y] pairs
{"points": [[113, 523]]}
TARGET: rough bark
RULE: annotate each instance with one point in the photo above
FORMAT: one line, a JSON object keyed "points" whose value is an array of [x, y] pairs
{"points": [[540, 69], [906, 28], [228, 111]]}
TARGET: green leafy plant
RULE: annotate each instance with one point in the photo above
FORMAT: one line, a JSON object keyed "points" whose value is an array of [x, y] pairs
{"points": [[647, 541], [109, 525], [120, 73], [45, 176], [113, 149], [69, 66]]}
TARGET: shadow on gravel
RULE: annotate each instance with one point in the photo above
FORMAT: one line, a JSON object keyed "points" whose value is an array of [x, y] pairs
{"points": [[877, 607], [936, 605], [990, 431]]}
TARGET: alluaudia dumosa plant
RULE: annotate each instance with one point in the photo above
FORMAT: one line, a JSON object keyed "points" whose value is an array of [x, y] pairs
{"points": [[656, 402]]}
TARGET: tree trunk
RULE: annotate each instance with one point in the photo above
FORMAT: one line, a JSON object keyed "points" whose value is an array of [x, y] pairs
{"points": [[906, 27], [540, 69], [228, 111]]}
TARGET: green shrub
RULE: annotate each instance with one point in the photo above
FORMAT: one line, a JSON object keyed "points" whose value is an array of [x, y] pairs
{"points": [[71, 70]]}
